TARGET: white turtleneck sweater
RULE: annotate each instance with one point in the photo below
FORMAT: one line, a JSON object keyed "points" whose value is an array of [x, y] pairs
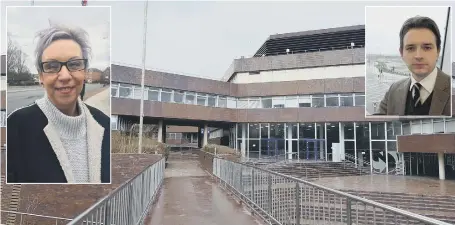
{"points": [[73, 135]]}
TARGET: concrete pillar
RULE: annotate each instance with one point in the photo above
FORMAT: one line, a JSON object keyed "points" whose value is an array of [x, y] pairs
{"points": [[205, 135], [442, 171], [342, 150], [199, 139], [289, 132], [160, 131], [243, 145]]}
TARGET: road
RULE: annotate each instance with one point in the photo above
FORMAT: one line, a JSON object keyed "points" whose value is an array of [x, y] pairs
{"points": [[20, 97]]}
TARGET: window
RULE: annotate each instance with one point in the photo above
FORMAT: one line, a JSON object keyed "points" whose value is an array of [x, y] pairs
{"points": [[166, 95], [211, 101], [332, 101], [113, 122], [266, 103], [190, 98], [125, 91], [278, 102], [377, 130], [450, 126], [438, 126], [201, 99], [154, 94], [137, 93], [304, 101], [346, 100], [317, 101], [178, 96], [242, 103], [427, 126], [292, 102], [222, 102], [254, 103], [231, 103], [359, 99], [114, 90]]}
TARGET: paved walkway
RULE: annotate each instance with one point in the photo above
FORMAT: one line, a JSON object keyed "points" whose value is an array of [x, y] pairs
{"points": [[189, 197], [101, 101]]}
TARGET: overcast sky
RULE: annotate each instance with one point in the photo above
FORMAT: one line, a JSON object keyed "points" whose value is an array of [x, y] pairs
{"points": [[382, 32], [202, 38], [94, 20]]}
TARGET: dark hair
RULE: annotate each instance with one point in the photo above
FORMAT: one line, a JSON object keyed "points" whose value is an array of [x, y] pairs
{"points": [[417, 22]]}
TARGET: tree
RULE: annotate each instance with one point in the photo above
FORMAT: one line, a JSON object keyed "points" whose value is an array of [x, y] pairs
{"points": [[16, 58]]}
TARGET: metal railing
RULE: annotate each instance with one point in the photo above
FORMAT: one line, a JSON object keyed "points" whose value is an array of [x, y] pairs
{"points": [[129, 203], [30, 218], [287, 200]]}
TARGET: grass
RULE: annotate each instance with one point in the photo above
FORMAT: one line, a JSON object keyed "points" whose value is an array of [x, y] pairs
{"points": [[124, 143]]}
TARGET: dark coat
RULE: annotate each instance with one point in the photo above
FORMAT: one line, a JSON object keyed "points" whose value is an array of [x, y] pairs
{"points": [[32, 159]]}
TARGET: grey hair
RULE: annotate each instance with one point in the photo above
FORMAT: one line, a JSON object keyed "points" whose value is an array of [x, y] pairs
{"points": [[60, 32]]}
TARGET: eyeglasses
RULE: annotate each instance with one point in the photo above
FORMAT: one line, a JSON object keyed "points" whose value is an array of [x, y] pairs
{"points": [[72, 65]]}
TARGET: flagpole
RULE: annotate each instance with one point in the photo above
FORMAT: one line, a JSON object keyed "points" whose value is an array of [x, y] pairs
{"points": [[144, 49]]}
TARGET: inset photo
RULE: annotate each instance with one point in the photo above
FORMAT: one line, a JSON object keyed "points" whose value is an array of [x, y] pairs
{"points": [[408, 61], [58, 95]]}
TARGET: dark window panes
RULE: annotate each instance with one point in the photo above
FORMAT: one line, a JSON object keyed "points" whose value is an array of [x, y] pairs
{"points": [[264, 130], [276, 130], [178, 96], [318, 101], [359, 100], [211, 101], [254, 130], [378, 131], [267, 103], [348, 130], [306, 130], [332, 101], [166, 96], [346, 100], [222, 102], [153, 95]]}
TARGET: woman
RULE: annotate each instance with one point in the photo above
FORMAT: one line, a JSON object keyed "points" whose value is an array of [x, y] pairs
{"points": [[59, 139]]}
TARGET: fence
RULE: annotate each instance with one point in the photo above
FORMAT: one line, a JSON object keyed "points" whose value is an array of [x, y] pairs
{"points": [[129, 203], [283, 199]]}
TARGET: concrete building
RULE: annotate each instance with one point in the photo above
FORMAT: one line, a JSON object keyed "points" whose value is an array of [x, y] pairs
{"points": [[301, 96], [3, 101]]}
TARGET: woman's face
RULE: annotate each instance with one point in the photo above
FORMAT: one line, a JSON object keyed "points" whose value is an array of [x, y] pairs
{"points": [[63, 87]]}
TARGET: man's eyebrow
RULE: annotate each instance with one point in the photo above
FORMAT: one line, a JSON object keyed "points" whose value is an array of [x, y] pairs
{"points": [[426, 44]]}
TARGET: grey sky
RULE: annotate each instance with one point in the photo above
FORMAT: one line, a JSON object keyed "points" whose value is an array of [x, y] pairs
{"points": [[94, 20], [382, 32], [203, 38]]}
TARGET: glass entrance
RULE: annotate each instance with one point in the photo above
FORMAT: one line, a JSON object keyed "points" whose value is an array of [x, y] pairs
{"points": [[311, 149]]}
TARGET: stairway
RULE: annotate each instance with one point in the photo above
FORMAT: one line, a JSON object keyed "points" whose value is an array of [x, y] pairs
{"points": [[13, 203]]}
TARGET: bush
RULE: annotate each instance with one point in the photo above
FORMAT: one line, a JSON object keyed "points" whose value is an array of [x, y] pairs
{"points": [[220, 149], [124, 143]]}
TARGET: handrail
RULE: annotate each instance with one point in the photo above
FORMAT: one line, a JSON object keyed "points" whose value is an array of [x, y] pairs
{"points": [[350, 197], [150, 177]]}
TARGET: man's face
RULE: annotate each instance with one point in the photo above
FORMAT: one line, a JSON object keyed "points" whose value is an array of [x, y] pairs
{"points": [[420, 51]]}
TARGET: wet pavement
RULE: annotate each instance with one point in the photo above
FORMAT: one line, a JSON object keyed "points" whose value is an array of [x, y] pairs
{"points": [[190, 197]]}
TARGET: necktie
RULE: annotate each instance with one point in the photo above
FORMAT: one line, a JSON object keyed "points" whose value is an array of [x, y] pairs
{"points": [[416, 94]]}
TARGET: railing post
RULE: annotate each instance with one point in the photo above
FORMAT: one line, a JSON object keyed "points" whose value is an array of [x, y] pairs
{"points": [[348, 212], [252, 185], [297, 203], [241, 180], [130, 204], [107, 213], [269, 193]]}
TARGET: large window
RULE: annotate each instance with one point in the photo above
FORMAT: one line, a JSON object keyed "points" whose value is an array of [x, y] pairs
{"points": [[332, 101], [304, 101], [154, 94], [178, 96], [317, 101], [291, 102], [114, 119], [125, 91], [377, 131], [278, 102], [222, 102], [166, 95], [359, 99], [201, 99], [346, 100]]}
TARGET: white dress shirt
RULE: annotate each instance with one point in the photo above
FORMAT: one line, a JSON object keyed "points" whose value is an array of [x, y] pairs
{"points": [[427, 84]]}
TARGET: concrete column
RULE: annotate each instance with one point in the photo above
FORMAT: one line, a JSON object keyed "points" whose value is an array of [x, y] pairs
{"points": [[342, 150], [289, 132], [160, 131], [205, 135], [243, 145], [442, 171]]}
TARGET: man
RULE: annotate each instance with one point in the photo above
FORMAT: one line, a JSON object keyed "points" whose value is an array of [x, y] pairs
{"points": [[427, 90]]}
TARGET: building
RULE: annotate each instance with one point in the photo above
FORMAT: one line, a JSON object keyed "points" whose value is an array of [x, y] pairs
{"points": [[3, 101], [301, 96]]}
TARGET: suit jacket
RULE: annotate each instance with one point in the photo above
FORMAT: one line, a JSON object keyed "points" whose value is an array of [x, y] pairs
{"points": [[394, 101], [35, 153]]}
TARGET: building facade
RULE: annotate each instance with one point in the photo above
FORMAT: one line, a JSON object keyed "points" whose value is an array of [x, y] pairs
{"points": [[301, 96]]}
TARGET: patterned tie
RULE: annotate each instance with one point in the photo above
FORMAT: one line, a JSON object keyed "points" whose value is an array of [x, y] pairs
{"points": [[416, 94]]}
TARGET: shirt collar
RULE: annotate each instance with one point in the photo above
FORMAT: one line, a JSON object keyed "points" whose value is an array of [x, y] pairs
{"points": [[427, 82]]}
